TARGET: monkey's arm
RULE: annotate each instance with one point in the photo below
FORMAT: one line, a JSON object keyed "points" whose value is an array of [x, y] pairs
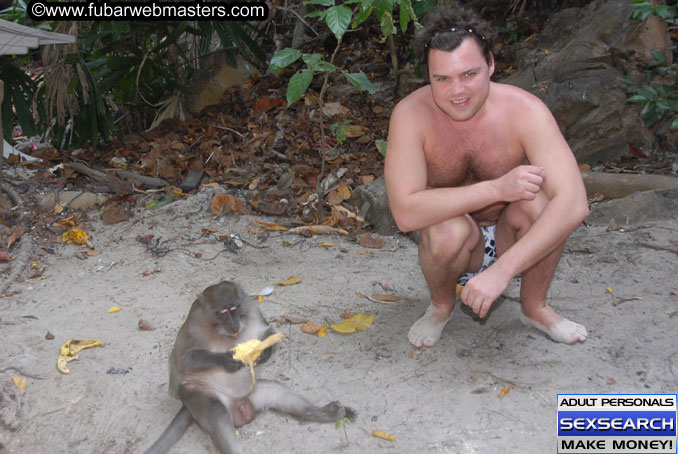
{"points": [[199, 360]]}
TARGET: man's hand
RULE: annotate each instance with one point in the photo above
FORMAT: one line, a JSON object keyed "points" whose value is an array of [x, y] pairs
{"points": [[482, 290], [521, 183]]}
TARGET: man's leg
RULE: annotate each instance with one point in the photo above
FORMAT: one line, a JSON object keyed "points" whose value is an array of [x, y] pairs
{"points": [[514, 222], [446, 251]]}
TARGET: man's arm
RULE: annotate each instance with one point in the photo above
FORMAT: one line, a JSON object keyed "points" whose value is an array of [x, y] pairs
{"points": [[545, 147]]}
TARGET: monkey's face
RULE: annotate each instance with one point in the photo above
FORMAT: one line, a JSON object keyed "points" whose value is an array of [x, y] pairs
{"points": [[228, 317]]}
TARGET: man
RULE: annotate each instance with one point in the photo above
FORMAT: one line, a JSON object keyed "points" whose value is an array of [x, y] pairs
{"points": [[475, 166]]}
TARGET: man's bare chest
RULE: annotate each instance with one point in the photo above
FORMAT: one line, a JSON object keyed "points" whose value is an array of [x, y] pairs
{"points": [[459, 160]]}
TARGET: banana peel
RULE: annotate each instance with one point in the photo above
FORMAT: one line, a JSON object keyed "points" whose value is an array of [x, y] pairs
{"points": [[70, 349], [248, 352]]}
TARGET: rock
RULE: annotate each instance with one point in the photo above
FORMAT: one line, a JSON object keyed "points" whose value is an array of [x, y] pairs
{"points": [[638, 208], [575, 66], [379, 213]]}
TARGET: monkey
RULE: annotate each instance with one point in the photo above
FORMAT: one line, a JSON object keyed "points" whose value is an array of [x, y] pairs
{"points": [[215, 389]]}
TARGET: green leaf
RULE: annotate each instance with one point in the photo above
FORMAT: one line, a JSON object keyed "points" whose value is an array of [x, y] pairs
{"points": [[637, 98], [283, 58], [404, 15], [662, 11], [298, 84], [320, 2], [338, 18], [386, 22], [381, 146], [674, 123], [360, 81], [340, 131], [361, 17]]}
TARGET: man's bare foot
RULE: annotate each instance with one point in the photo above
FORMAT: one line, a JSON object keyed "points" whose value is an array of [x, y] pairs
{"points": [[556, 326], [427, 330]]}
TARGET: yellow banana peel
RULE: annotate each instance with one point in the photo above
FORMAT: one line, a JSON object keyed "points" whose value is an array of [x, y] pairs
{"points": [[248, 352], [69, 350]]}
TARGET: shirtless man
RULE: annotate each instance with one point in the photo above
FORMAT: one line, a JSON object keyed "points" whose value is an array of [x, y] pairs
{"points": [[465, 153]]}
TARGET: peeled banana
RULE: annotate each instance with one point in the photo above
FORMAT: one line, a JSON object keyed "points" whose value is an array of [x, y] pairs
{"points": [[248, 352], [69, 350]]}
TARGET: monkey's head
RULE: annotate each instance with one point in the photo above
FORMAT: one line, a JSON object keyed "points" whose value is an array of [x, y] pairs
{"points": [[223, 303]]}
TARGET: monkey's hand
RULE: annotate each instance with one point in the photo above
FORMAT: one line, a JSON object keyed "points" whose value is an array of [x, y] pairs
{"points": [[249, 351]]}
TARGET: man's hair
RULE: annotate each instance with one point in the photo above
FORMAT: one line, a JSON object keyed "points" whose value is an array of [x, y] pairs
{"points": [[446, 27]]}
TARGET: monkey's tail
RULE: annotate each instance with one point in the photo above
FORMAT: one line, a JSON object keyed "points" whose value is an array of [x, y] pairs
{"points": [[176, 429]]}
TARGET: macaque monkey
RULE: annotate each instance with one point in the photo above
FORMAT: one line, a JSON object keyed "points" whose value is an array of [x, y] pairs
{"points": [[215, 389]]}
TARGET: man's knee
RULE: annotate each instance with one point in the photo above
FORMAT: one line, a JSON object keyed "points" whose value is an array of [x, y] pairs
{"points": [[445, 240], [521, 215]]}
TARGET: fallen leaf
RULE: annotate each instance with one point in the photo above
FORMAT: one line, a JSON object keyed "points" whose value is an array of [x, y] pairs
{"points": [[17, 231], [4, 256], [364, 252], [76, 235], [310, 230], [310, 328], [115, 215], [271, 226], [371, 241], [209, 230], [610, 291], [359, 322], [20, 382], [385, 299], [36, 265], [384, 435], [326, 245], [295, 320], [49, 336], [611, 381], [67, 222], [348, 314], [344, 191], [292, 280], [322, 332], [145, 326], [356, 131], [366, 179], [224, 203], [504, 391], [58, 209], [114, 309], [584, 166]]}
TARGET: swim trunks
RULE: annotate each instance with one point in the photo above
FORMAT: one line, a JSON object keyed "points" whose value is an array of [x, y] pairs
{"points": [[489, 257]]}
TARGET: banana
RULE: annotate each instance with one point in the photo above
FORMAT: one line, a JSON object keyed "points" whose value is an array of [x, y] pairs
{"points": [[69, 350]]}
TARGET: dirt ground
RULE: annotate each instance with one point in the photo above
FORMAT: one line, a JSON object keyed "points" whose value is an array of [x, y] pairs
{"points": [[488, 386]]}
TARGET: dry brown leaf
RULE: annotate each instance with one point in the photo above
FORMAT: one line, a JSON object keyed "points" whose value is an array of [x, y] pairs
{"points": [[224, 203], [71, 221], [365, 295], [366, 179], [372, 241], [310, 327], [356, 131], [145, 326], [294, 320], [17, 231], [271, 226], [344, 191], [384, 435], [504, 391], [310, 230], [334, 198], [386, 298]]}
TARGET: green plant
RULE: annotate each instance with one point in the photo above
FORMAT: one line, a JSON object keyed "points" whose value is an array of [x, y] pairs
{"points": [[342, 423], [658, 92], [657, 98]]}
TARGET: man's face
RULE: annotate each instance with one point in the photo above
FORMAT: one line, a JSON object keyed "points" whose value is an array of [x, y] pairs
{"points": [[460, 79]]}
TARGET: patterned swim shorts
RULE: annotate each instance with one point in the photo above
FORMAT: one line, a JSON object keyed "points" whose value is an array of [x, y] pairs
{"points": [[489, 257]]}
